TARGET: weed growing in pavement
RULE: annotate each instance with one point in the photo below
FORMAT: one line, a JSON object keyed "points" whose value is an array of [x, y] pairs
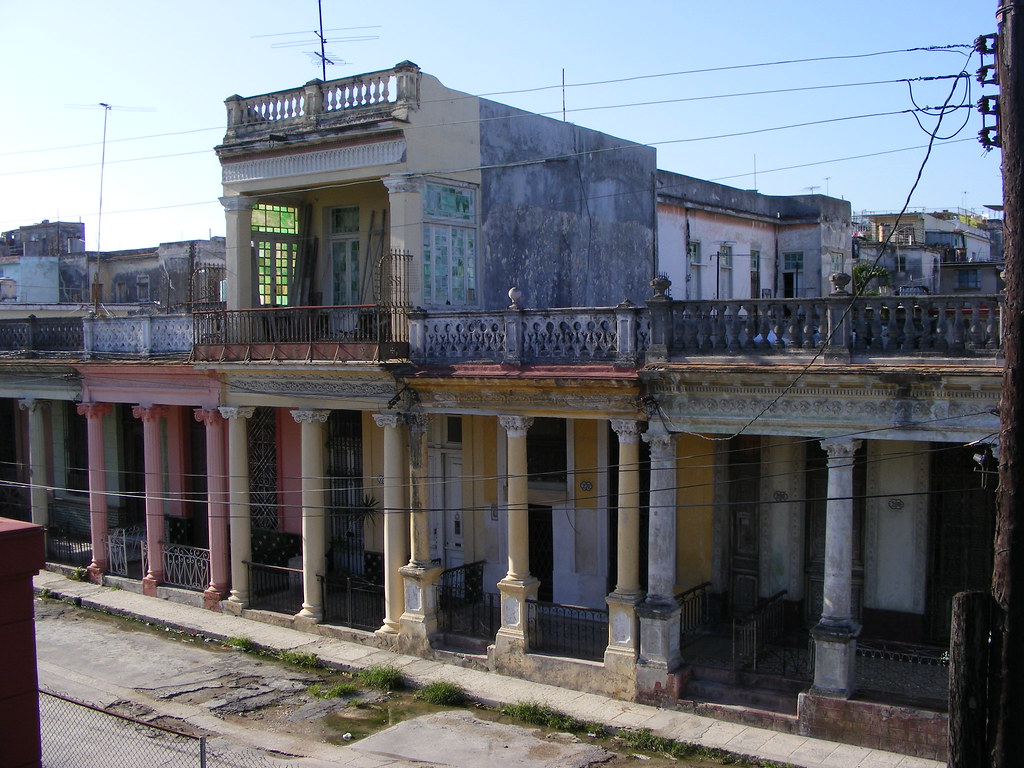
{"points": [[46, 594], [643, 739], [336, 691], [302, 659], [78, 574], [382, 677], [536, 713], [242, 643], [443, 693]]}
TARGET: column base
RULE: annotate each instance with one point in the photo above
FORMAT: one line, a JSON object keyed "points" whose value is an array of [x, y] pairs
{"points": [[512, 640], [419, 622], [236, 603], [95, 572], [212, 599], [306, 619], [835, 652], [150, 584], [657, 676], [623, 627]]}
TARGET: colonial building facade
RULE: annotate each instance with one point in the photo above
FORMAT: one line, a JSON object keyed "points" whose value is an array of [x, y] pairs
{"points": [[453, 404]]}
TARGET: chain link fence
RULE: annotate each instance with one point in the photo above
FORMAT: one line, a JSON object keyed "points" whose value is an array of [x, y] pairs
{"points": [[78, 735]]}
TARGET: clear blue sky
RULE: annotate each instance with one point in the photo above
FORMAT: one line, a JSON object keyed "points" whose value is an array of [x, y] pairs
{"points": [[182, 59]]}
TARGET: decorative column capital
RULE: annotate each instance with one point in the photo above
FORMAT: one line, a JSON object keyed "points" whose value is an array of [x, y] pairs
{"points": [[32, 405], [516, 426], [628, 430], [840, 448], [149, 413], [238, 203], [309, 416], [94, 410], [208, 416], [236, 412], [662, 443], [387, 419], [397, 184]]}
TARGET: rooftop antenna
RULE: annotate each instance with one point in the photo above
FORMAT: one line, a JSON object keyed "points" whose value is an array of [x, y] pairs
{"points": [[812, 189], [103, 152], [323, 55], [827, 179]]}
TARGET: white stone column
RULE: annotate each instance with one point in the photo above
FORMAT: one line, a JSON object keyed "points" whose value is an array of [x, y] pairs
{"points": [[151, 416], [396, 521], [38, 459], [518, 586], [405, 225], [623, 627], [240, 514], [835, 636], [314, 513], [217, 501], [238, 212], [659, 613], [98, 518], [419, 621]]}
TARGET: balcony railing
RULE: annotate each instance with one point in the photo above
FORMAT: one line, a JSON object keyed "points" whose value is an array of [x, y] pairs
{"points": [[272, 588], [136, 335], [41, 334], [187, 567], [311, 333], [567, 630], [352, 601], [317, 103]]}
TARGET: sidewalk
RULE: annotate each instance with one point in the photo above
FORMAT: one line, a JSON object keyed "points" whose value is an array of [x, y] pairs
{"points": [[491, 689]]}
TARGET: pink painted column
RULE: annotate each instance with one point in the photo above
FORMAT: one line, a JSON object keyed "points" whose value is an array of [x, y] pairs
{"points": [[151, 416], [98, 525], [217, 505], [175, 461]]}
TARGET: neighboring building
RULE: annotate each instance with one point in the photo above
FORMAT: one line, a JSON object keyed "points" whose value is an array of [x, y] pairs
{"points": [[937, 252], [433, 415], [717, 242]]}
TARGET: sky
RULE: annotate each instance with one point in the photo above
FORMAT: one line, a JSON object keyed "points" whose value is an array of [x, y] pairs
{"points": [[166, 68]]}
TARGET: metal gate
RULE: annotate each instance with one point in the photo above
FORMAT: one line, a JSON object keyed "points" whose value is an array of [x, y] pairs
{"points": [[263, 468], [126, 552], [345, 489]]}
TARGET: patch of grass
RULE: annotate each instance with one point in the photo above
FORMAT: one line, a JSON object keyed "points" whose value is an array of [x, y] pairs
{"points": [[114, 587], [443, 693], [642, 739], [336, 691], [78, 574], [536, 713], [242, 643], [382, 677], [303, 659], [46, 594]]}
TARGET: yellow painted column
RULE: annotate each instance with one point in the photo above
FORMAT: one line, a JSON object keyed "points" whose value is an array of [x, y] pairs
{"points": [[419, 620], [238, 212], [623, 626], [240, 523], [518, 586], [396, 524]]}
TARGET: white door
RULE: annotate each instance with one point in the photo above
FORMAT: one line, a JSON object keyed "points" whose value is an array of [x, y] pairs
{"points": [[454, 515]]}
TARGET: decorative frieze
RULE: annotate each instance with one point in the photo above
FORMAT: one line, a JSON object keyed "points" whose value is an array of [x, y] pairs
{"points": [[331, 386], [328, 160]]}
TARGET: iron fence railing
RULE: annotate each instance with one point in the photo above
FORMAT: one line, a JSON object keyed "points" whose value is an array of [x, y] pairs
{"points": [[273, 588], [567, 630], [127, 553], [352, 601], [68, 548], [694, 610], [914, 672], [74, 734], [187, 567], [463, 608], [754, 630]]}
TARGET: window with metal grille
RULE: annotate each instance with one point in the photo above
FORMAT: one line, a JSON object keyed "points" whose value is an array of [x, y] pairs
{"points": [[263, 468]]}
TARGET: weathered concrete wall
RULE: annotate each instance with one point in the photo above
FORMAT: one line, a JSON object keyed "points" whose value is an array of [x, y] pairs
{"points": [[580, 207]]}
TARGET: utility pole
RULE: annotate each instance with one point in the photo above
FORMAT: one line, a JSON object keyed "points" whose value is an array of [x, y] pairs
{"points": [[1007, 714]]}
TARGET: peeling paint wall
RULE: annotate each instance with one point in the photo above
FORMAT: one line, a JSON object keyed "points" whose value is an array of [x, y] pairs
{"points": [[578, 206]]}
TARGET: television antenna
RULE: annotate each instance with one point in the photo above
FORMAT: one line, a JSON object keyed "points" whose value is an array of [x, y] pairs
{"points": [[103, 153], [323, 56]]}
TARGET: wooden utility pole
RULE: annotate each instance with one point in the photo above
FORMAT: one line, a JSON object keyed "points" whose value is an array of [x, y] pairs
{"points": [[1007, 715]]}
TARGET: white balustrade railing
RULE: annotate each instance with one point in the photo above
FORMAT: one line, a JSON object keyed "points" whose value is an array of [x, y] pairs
{"points": [[138, 335], [187, 567]]}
